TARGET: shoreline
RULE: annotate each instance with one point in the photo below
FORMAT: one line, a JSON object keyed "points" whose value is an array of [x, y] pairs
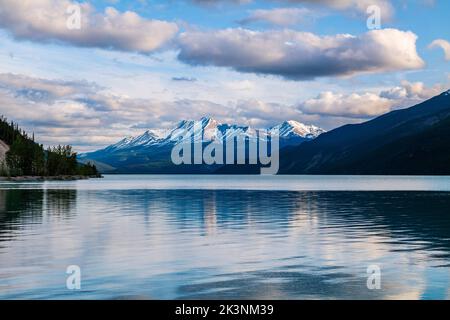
{"points": [[48, 178]]}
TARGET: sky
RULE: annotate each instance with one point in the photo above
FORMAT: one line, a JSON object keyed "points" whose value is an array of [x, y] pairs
{"points": [[90, 73]]}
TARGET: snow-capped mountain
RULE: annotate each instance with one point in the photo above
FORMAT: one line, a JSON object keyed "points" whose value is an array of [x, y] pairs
{"points": [[212, 130], [150, 151], [293, 128], [209, 129], [145, 139]]}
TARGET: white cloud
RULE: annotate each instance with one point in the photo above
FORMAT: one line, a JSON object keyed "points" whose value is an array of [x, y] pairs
{"points": [[413, 91], [358, 6], [214, 2], [43, 89], [301, 55], [354, 6], [278, 16], [45, 20], [352, 105], [444, 45], [369, 104]]}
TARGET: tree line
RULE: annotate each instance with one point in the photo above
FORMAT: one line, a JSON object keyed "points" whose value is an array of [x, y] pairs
{"points": [[28, 158]]}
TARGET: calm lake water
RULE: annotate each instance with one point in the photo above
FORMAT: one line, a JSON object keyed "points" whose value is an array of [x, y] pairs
{"points": [[226, 237]]}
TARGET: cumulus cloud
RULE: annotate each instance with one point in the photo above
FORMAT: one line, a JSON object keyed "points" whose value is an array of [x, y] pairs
{"points": [[43, 89], [358, 6], [46, 20], [352, 105], [444, 45], [355, 6], [301, 55], [369, 104], [413, 91], [278, 16], [214, 2]]}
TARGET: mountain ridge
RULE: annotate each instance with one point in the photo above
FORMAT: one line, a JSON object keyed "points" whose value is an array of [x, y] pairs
{"points": [[288, 129], [373, 147], [150, 151]]}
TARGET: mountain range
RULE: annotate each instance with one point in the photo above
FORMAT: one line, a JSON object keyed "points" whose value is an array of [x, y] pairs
{"points": [[150, 151], [410, 141]]}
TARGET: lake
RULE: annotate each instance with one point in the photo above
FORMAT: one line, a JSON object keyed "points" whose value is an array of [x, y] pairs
{"points": [[226, 237]]}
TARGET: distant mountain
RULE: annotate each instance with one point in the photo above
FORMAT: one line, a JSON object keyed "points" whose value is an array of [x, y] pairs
{"points": [[150, 152], [146, 139], [294, 133], [413, 141]]}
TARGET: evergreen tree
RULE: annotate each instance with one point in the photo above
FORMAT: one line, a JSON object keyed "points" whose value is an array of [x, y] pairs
{"points": [[26, 157]]}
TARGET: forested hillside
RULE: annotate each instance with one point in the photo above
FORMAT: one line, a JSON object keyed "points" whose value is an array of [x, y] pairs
{"points": [[412, 141], [25, 157]]}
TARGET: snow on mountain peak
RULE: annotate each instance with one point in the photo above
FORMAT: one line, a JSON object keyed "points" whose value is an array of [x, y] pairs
{"points": [[147, 138], [122, 143], [211, 130], [294, 128]]}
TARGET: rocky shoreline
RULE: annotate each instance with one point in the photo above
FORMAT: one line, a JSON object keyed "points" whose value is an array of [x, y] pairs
{"points": [[50, 178]]}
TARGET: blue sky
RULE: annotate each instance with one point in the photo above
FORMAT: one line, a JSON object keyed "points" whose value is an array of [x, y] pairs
{"points": [[149, 64]]}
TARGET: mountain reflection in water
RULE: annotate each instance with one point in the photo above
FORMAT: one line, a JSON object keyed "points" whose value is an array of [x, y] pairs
{"points": [[227, 244]]}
